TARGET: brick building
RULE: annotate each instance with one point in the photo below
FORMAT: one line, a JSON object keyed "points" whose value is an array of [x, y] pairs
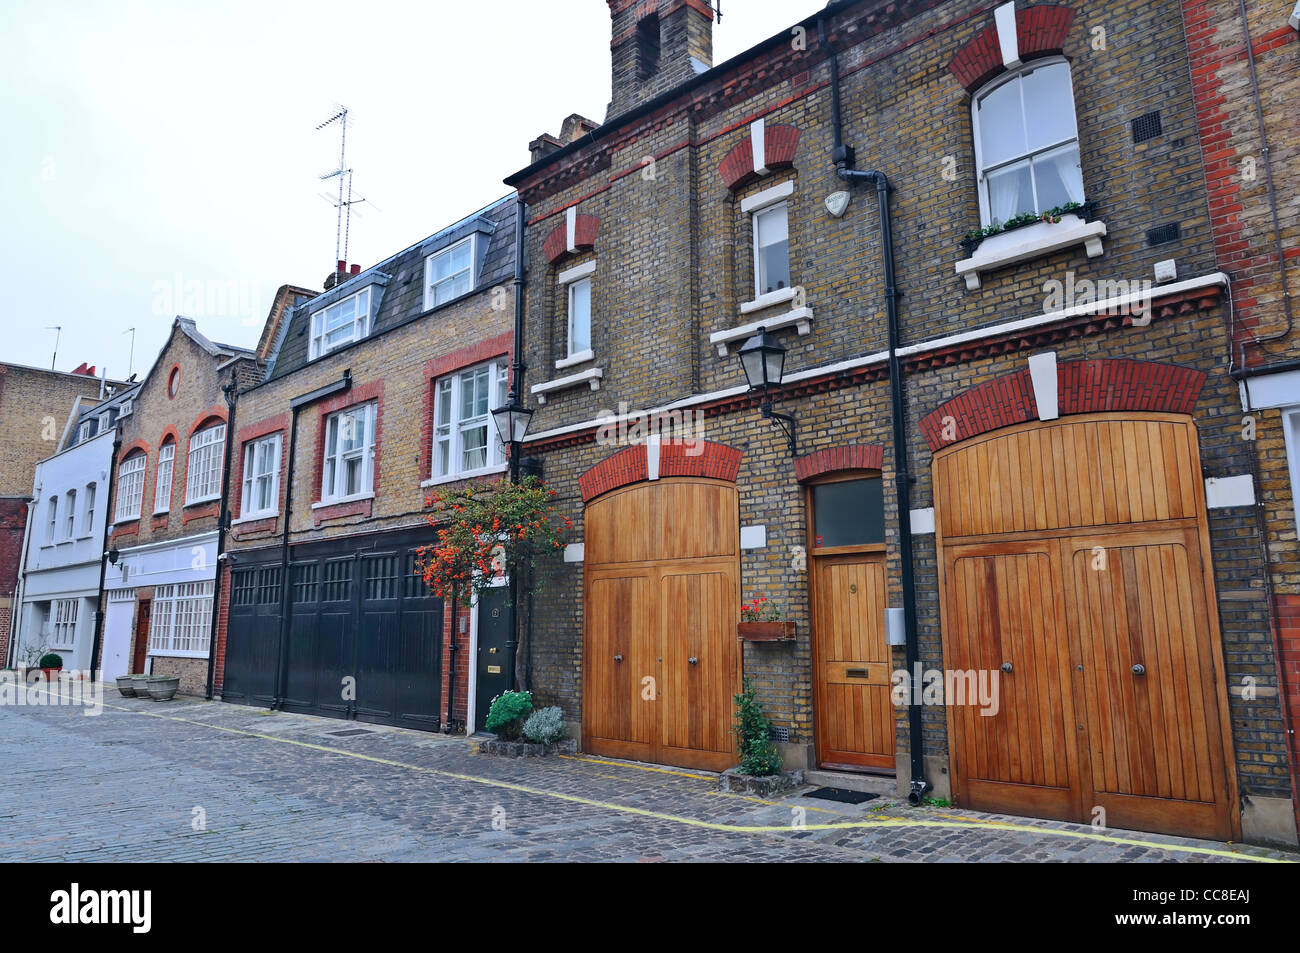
{"points": [[1017, 189], [36, 406], [375, 390], [163, 507]]}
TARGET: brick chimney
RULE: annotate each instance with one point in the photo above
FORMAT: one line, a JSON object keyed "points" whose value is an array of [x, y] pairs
{"points": [[656, 45], [339, 276]]}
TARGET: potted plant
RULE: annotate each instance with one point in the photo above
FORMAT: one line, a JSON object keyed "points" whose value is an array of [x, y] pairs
{"points": [[760, 770], [126, 686], [760, 621], [163, 687], [51, 664]]}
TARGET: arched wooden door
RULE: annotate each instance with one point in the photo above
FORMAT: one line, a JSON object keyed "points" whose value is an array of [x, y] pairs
{"points": [[662, 598], [1075, 564]]}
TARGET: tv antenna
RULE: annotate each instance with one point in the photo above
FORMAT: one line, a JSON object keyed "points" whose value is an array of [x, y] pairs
{"points": [[58, 330], [343, 173], [130, 363]]}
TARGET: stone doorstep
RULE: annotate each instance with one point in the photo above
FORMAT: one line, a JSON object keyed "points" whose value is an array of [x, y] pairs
{"points": [[852, 781]]}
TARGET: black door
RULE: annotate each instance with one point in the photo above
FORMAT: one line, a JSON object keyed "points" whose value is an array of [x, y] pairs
{"points": [[496, 650], [252, 635]]}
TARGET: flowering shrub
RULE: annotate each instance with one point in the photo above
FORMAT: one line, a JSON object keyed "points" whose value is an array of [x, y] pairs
{"points": [[507, 714], [760, 610], [758, 755], [544, 726], [480, 527]]}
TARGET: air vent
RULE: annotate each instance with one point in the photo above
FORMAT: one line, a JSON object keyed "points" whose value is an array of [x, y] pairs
{"points": [[779, 735], [1164, 234], [1147, 127]]}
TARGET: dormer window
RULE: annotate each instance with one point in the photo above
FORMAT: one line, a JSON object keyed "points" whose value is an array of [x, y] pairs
{"points": [[341, 323], [449, 273]]}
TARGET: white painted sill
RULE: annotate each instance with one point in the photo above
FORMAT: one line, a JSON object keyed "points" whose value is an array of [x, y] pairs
{"points": [[591, 377], [164, 653], [203, 499], [573, 360], [1032, 241], [466, 475], [336, 501], [256, 517], [780, 296], [162, 512], [800, 319]]}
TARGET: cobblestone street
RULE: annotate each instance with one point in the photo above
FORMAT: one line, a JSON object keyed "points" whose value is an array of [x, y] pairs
{"points": [[192, 780]]}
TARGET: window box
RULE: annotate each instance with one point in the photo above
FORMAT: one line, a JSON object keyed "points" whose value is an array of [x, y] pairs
{"points": [[1087, 211], [765, 631], [1031, 241], [591, 377]]}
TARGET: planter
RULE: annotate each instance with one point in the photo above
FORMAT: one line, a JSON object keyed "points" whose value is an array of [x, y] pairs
{"points": [[525, 749], [51, 674], [733, 782], [141, 685], [126, 686], [163, 687], [765, 631]]}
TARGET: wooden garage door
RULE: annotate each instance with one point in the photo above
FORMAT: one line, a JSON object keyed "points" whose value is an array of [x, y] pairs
{"points": [[662, 600], [1073, 566]]}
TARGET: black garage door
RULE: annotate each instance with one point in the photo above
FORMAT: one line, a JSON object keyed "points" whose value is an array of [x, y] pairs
{"points": [[365, 636]]}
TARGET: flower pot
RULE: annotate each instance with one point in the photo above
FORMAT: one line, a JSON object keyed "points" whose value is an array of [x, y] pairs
{"points": [[765, 631], [163, 687], [51, 674], [126, 686]]}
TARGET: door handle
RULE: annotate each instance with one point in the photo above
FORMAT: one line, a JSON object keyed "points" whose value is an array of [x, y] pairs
{"points": [[492, 651], [1006, 667], [1139, 669], [618, 658], [693, 660]]}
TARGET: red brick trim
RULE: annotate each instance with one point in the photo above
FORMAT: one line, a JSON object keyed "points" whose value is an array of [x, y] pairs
{"points": [[628, 466], [198, 511], [159, 521], [500, 346], [585, 229], [255, 527], [360, 394], [169, 432], [336, 510], [215, 412], [167, 383], [779, 145], [131, 448], [124, 529], [1082, 387], [1040, 30], [856, 456]]}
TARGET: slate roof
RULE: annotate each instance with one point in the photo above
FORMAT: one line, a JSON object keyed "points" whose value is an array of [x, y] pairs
{"points": [[398, 282]]}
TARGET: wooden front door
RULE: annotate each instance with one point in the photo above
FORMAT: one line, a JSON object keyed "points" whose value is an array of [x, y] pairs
{"points": [[661, 660], [1074, 565], [141, 653]]}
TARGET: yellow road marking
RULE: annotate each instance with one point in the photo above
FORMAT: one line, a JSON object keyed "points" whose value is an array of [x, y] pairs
{"points": [[880, 822], [637, 767]]}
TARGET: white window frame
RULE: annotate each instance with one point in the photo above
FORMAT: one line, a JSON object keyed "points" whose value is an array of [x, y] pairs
{"points": [[332, 466], [252, 478], [451, 434], [754, 216], [430, 293], [571, 352], [130, 488], [181, 623], [83, 431], [166, 471], [63, 623], [70, 518], [88, 521], [981, 172], [203, 464], [51, 531], [360, 323]]}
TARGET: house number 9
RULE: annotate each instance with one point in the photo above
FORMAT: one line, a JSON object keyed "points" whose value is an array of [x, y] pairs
{"points": [[853, 587]]}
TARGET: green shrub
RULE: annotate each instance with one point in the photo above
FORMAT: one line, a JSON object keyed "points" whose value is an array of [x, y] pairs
{"points": [[51, 660], [507, 714], [753, 731], [544, 726]]}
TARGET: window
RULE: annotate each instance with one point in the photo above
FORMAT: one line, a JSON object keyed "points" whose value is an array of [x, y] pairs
{"points": [[54, 519], [173, 382], [261, 476], [203, 473], [125, 408], [465, 438], [341, 323], [88, 521], [1027, 142], [162, 496], [771, 249], [70, 517], [579, 317], [848, 513], [349, 453], [130, 488], [449, 273], [64, 633], [182, 618], [86, 430]]}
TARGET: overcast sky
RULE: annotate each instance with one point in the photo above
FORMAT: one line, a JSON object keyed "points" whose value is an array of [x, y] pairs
{"points": [[161, 157]]}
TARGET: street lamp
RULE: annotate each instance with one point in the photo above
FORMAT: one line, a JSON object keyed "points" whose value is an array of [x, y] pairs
{"points": [[763, 360], [512, 424]]}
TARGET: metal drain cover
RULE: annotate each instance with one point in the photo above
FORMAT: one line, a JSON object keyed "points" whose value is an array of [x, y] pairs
{"points": [[350, 731]]}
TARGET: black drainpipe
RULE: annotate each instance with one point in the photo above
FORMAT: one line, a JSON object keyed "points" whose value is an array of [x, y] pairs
{"points": [[229, 390], [295, 405], [844, 159], [103, 554], [452, 648]]}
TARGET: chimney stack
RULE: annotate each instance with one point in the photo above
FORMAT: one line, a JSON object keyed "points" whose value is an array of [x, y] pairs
{"points": [[655, 46], [339, 276]]}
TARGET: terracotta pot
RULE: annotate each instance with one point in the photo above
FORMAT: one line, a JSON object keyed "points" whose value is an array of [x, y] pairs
{"points": [[765, 631], [52, 674]]}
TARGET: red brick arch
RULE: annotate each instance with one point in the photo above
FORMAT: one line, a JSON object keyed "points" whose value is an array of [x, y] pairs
{"points": [[585, 228], [1083, 387], [716, 461], [779, 145], [854, 456], [132, 447], [1040, 30], [170, 433], [211, 415]]}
